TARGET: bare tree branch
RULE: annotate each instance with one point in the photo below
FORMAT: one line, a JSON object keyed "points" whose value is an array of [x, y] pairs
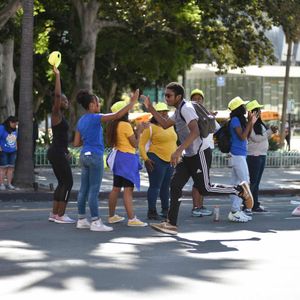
{"points": [[87, 12]]}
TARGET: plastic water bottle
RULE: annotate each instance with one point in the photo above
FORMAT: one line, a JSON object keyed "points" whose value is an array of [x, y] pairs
{"points": [[216, 213]]}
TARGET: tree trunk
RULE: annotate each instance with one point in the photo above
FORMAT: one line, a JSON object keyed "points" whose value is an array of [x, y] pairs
{"points": [[7, 73], [85, 65], [7, 80], [24, 175], [8, 11], [110, 95], [285, 93], [87, 13]]}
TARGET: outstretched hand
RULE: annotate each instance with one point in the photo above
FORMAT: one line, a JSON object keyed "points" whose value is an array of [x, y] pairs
{"points": [[147, 101], [135, 96]]}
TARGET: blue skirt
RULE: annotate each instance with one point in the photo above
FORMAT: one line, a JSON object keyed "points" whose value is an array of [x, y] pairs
{"points": [[128, 165]]}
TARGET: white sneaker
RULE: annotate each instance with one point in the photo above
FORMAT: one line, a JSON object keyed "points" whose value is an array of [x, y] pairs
{"points": [[296, 211], [2, 187], [83, 223], [10, 187], [99, 226], [65, 219], [237, 217], [246, 216], [52, 217]]}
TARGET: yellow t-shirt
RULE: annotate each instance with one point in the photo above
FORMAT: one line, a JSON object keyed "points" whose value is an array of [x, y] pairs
{"points": [[162, 142], [124, 131]]}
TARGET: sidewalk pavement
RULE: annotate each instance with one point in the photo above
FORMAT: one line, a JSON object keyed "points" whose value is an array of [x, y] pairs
{"points": [[275, 181]]}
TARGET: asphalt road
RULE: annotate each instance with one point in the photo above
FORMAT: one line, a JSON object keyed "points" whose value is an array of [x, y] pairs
{"points": [[216, 260]]}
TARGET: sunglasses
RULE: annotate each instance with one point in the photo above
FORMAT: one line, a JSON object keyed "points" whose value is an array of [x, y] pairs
{"points": [[169, 95]]}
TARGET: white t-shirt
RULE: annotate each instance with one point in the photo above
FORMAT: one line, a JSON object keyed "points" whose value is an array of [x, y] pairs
{"points": [[208, 142], [188, 113]]}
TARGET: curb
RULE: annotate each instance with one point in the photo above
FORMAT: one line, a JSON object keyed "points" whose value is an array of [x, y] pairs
{"points": [[46, 195]]}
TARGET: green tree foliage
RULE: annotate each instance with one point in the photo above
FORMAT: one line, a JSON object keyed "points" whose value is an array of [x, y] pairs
{"points": [[285, 14], [53, 23], [155, 42], [233, 33], [153, 47]]}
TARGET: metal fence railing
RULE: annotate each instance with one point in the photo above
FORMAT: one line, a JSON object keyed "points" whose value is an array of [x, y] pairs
{"points": [[286, 159], [41, 159], [275, 159]]}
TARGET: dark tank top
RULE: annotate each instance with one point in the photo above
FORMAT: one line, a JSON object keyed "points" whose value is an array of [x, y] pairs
{"points": [[60, 136]]}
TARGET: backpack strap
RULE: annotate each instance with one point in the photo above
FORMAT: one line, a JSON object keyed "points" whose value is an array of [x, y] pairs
{"points": [[181, 116]]}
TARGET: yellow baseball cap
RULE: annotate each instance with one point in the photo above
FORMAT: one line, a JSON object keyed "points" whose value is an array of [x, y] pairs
{"points": [[253, 104], [55, 58], [118, 106], [235, 103], [197, 92], [161, 106]]}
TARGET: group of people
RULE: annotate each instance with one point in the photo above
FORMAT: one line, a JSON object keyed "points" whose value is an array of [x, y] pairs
{"points": [[172, 149], [89, 136]]}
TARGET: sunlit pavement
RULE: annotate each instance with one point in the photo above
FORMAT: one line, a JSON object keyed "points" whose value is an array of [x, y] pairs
{"points": [[257, 260], [273, 179]]}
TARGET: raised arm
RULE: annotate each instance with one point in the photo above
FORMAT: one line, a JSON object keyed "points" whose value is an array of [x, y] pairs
{"points": [[165, 123], [56, 112], [119, 114], [243, 135]]}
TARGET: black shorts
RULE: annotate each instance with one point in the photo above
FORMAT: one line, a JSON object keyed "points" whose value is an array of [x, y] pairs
{"points": [[120, 181]]}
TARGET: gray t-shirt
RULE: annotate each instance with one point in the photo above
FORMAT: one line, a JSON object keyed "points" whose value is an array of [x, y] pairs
{"points": [[188, 113]]}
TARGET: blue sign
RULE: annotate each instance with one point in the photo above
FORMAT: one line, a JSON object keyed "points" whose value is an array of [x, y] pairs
{"points": [[220, 81]]}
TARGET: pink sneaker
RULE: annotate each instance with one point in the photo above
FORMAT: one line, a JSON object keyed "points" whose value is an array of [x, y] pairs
{"points": [[296, 211], [65, 219]]}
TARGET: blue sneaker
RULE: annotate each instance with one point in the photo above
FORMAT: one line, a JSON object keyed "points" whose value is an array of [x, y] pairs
{"points": [[201, 212], [164, 213]]}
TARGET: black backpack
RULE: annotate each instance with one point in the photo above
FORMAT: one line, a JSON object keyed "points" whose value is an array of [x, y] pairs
{"points": [[206, 120], [223, 138]]}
